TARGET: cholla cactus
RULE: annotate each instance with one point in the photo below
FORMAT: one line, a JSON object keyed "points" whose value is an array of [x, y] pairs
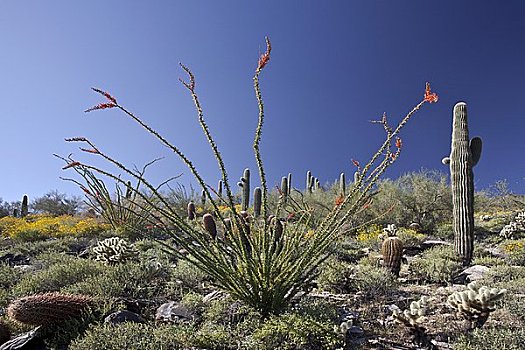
{"points": [[476, 303], [518, 225], [412, 318], [114, 250], [47, 308]]}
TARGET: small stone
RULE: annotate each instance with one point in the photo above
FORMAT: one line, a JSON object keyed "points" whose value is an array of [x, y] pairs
{"points": [[356, 331], [25, 341], [174, 312], [124, 316], [475, 273]]}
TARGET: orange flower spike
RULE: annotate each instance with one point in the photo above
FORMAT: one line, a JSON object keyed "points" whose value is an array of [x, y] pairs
{"points": [[399, 143], [339, 200], [430, 97], [91, 150], [101, 106], [107, 95], [71, 165], [265, 58], [356, 163]]}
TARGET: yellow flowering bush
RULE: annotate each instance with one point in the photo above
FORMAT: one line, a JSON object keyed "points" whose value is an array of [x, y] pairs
{"points": [[39, 226], [369, 233], [513, 246]]}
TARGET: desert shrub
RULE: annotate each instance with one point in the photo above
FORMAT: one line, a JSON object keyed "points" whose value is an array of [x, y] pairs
{"points": [[41, 227], [511, 278], [515, 252], [373, 281], [185, 277], [54, 203], [296, 332], [410, 238], [131, 279], [492, 338], [335, 276], [488, 261], [57, 276], [444, 231], [438, 264], [369, 236], [132, 336], [423, 197], [8, 276], [66, 244], [349, 250], [320, 309]]}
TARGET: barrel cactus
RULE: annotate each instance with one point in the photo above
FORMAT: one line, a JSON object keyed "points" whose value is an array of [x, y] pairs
{"points": [[209, 225], [47, 308], [392, 250], [464, 155], [114, 250]]}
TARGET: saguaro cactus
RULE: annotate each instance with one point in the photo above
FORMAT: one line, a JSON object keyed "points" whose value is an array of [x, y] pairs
{"points": [[257, 201], [284, 188], [309, 181], [463, 156], [245, 185], [24, 210], [342, 184]]}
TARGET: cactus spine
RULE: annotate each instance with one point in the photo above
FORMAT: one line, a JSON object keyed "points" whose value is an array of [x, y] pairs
{"points": [[245, 184], [257, 201], [463, 157], [47, 308], [24, 210], [342, 184]]}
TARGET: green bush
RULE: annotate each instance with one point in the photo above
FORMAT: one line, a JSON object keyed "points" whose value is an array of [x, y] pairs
{"points": [[131, 336], [511, 278], [438, 265], [184, 277], [130, 279], [373, 281], [444, 231], [57, 276], [492, 338], [295, 332], [335, 276]]}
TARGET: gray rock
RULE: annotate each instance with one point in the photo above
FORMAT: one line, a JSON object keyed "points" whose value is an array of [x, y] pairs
{"points": [[430, 243], [475, 273], [124, 316], [175, 312], [26, 341]]}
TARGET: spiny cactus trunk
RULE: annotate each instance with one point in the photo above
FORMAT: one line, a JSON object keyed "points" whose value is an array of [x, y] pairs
{"points": [[462, 181]]}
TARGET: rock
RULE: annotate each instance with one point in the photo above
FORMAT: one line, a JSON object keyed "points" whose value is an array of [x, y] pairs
{"points": [[430, 243], [25, 268], [485, 217], [124, 316], [474, 273], [415, 226], [356, 331], [175, 312], [26, 341], [14, 259]]}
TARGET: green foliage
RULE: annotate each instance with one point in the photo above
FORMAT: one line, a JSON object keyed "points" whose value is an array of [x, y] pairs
{"points": [[335, 276], [131, 336], [185, 277], [54, 203], [439, 265], [57, 276], [296, 332], [492, 338], [373, 281], [132, 279]]}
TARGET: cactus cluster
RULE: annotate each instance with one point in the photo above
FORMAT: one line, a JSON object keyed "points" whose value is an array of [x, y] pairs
{"points": [[476, 303], [47, 308], [392, 250], [463, 157], [114, 250], [515, 226], [312, 183], [413, 316]]}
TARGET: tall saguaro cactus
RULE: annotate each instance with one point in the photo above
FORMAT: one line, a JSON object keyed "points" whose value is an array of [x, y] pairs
{"points": [[24, 210], [245, 184], [463, 156]]}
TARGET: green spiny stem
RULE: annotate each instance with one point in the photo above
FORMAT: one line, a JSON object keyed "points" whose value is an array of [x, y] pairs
{"points": [[256, 141]]}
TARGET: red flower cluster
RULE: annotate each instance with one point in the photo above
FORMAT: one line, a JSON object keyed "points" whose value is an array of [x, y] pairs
{"points": [[90, 150], [71, 165], [101, 106], [265, 58], [430, 97]]}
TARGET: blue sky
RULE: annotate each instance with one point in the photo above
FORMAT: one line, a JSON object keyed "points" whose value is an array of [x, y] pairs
{"points": [[335, 65]]}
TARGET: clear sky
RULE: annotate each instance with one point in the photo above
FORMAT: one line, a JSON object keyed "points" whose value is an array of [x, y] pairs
{"points": [[335, 65]]}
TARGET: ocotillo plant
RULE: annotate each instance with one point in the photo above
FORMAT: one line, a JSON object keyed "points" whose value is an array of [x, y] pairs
{"points": [[24, 209], [463, 156], [262, 264]]}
